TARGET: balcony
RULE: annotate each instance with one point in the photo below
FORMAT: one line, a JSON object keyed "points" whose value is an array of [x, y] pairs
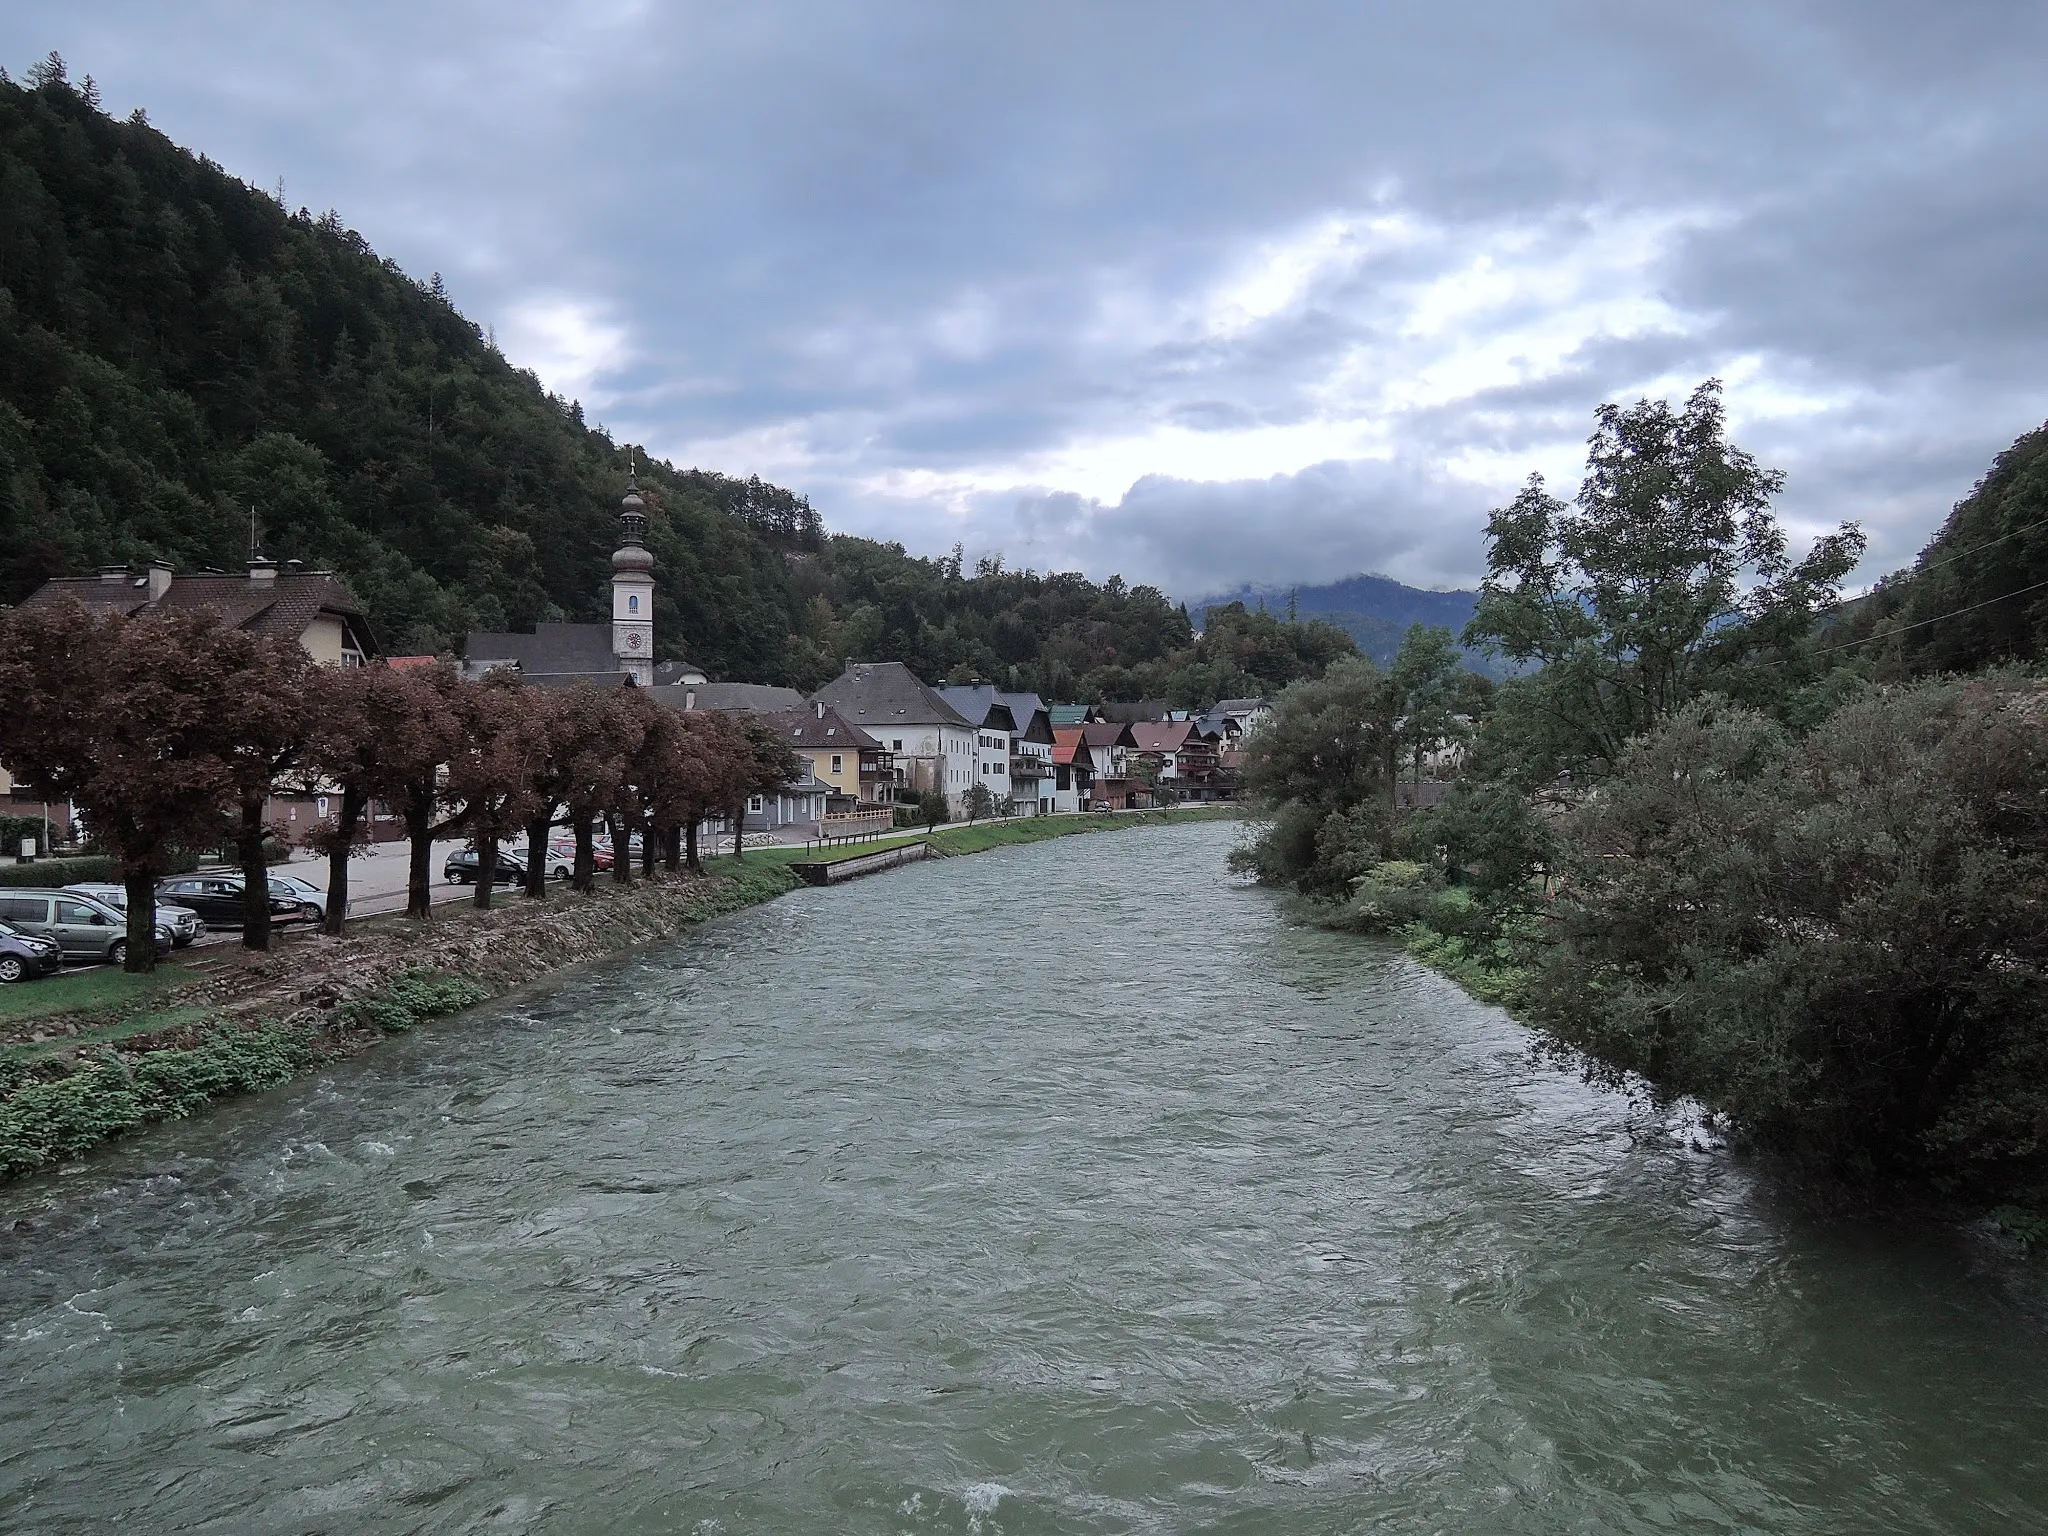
{"points": [[1030, 768]]}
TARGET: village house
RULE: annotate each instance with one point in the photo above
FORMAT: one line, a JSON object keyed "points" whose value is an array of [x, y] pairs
{"points": [[1184, 760], [1073, 769], [1110, 746], [1031, 765], [315, 608], [1018, 748], [935, 746], [857, 772]]}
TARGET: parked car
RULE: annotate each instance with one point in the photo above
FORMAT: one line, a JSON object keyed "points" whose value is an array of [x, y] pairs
{"points": [[312, 897], [24, 956], [183, 921], [562, 859], [461, 868], [217, 898], [82, 928]]}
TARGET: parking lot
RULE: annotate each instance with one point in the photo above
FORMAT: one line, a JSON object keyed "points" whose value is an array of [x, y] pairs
{"points": [[376, 886]]}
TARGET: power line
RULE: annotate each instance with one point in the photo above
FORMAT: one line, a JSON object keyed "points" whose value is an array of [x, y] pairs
{"points": [[1975, 548], [1923, 623]]}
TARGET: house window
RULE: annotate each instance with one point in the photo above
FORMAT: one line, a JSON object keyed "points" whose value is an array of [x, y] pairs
{"points": [[838, 763], [754, 803], [896, 745]]}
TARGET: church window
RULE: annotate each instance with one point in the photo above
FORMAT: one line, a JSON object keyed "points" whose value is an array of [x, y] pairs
{"points": [[633, 604]]}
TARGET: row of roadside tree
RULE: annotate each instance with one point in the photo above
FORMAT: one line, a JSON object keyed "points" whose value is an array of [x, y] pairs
{"points": [[173, 731]]}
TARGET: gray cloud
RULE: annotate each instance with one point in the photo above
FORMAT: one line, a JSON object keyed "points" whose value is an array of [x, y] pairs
{"points": [[1205, 293]]}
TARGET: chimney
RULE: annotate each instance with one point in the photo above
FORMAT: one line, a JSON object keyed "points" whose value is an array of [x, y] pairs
{"points": [[261, 570], [113, 575], [821, 707], [690, 698], [160, 574]]}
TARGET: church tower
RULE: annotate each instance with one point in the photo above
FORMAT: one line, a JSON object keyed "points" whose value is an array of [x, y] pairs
{"points": [[633, 590]]}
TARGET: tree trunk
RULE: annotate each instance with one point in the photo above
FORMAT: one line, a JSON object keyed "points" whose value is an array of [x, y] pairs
{"points": [[486, 871], [352, 806], [537, 854], [586, 854], [647, 851], [739, 830], [255, 874], [419, 834], [672, 849], [691, 862], [622, 850], [141, 887]]}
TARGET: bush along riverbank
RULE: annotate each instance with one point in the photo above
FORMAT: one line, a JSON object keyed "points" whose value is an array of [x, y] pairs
{"points": [[1713, 856], [169, 1045]]}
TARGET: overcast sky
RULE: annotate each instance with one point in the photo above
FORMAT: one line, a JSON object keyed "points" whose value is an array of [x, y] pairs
{"points": [[1198, 293]]}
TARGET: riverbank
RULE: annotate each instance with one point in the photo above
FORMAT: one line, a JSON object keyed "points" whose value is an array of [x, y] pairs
{"points": [[87, 1058]]}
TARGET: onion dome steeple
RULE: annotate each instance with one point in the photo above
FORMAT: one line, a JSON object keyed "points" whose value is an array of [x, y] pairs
{"points": [[633, 589], [632, 554]]}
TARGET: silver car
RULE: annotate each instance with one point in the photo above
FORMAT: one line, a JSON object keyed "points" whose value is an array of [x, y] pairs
{"points": [[182, 921], [85, 929]]}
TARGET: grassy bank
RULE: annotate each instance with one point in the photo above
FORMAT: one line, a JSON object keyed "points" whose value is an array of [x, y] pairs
{"points": [[88, 1057]]}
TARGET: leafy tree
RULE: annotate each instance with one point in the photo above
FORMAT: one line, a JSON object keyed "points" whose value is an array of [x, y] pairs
{"points": [[1428, 674], [932, 808], [262, 727], [123, 719], [979, 802], [1329, 749], [1837, 942], [1667, 578], [501, 748]]}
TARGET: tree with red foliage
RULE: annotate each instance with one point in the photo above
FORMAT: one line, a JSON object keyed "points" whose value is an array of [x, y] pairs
{"points": [[124, 719], [263, 722], [501, 748], [370, 727], [418, 741]]}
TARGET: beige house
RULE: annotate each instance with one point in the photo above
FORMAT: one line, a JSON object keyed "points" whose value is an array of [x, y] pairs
{"points": [[314, 607]]}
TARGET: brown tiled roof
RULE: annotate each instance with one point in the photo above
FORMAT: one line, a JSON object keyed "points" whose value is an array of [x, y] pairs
{"points": [[805, 728], [283, 605], [1107, 733], [1067, 743], [1161, 735]]}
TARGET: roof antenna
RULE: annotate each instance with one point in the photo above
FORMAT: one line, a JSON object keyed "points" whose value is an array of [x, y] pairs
{"points": [[255, 549]]}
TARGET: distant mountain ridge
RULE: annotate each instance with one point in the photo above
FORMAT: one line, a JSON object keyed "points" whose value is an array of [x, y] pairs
{"points": [[1374, 610]]}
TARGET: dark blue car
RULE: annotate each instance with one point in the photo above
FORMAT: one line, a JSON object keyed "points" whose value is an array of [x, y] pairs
{"points": [[23, 956]]}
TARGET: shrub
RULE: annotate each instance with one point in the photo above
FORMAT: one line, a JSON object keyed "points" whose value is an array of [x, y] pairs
{"points": [[91, 866], [410, 998], [1836, 942]]}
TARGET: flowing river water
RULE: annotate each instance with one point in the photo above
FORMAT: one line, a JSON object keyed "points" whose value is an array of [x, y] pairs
{"points": [[1066, 1188]]}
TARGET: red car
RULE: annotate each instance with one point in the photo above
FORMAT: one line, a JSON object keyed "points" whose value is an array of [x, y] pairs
{"points": [[562, 853]]}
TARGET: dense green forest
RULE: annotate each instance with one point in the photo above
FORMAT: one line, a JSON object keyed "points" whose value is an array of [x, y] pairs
{"points": [[1978, 594], [177, 349]]}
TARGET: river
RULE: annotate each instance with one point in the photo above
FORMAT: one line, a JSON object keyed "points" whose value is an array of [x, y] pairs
{"points": [[1064, 1188]]}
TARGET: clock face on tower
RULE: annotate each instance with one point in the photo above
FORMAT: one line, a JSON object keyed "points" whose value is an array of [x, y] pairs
{"points": [[633, 642]]}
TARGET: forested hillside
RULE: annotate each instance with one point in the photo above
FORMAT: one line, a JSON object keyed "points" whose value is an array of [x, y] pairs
{"points": [[177, 349], [1978, 594], [1374, 610]]}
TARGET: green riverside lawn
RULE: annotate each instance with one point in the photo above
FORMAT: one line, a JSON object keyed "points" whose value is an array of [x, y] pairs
{"points": [[76, 1068]]}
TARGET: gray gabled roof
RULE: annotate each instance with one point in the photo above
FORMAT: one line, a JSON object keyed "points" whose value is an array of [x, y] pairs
{"points": [[1034, 720], [879, 694], [736, 698], [981, 705], [552, 650]]}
